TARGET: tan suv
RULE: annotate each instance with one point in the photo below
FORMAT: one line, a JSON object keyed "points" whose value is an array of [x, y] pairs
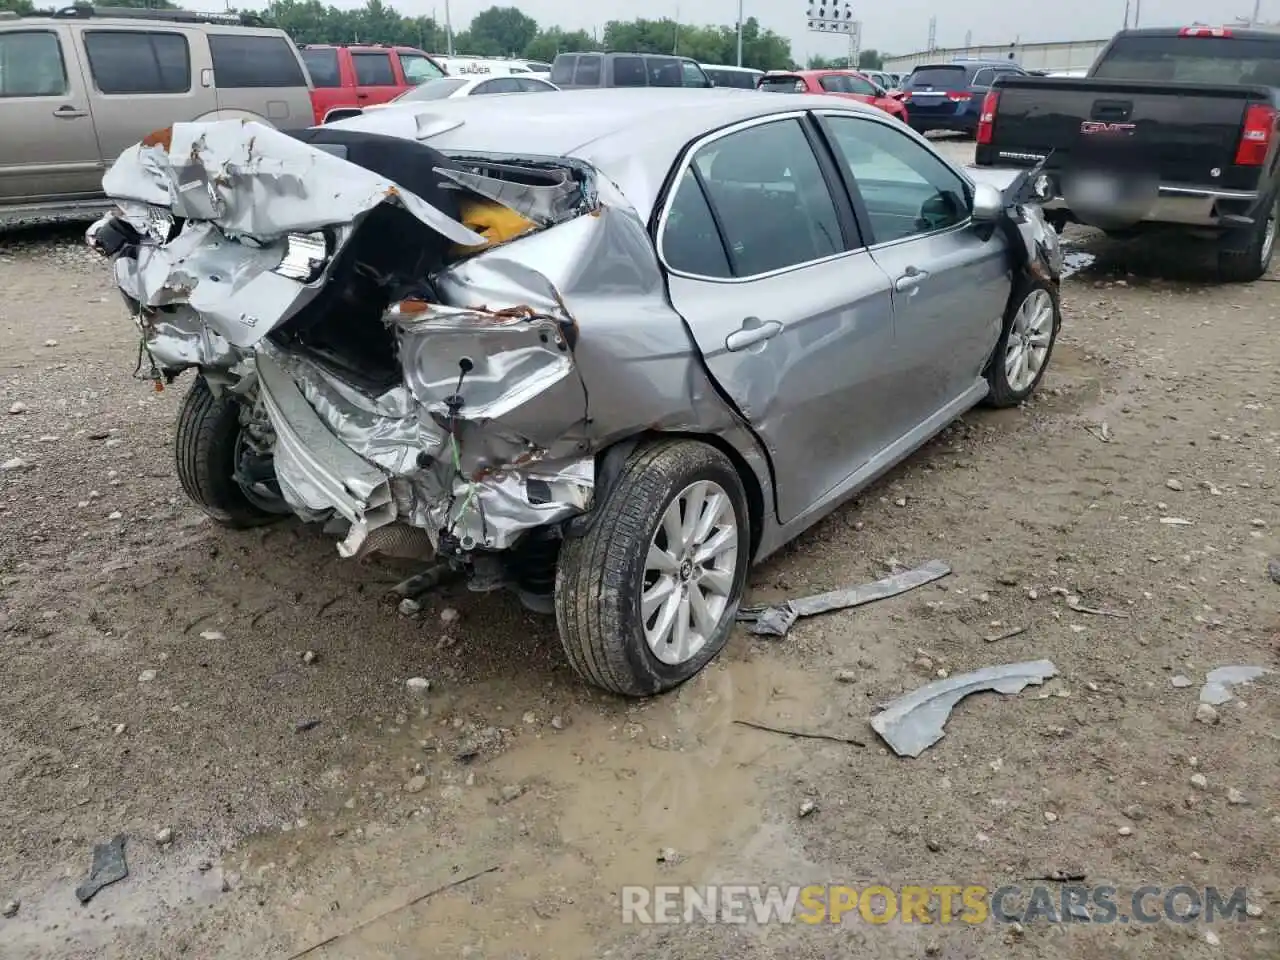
{"points": [[79, 87]]}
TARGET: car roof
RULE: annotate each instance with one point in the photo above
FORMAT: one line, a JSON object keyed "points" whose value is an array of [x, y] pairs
{"points": [[142, 23], [632, 135]]}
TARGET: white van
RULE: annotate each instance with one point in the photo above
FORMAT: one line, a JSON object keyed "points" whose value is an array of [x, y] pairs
{"points": [[479, 66]]}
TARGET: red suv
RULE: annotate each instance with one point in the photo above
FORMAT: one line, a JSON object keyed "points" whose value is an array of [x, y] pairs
{"points": [[836, 83], [358, 76]]}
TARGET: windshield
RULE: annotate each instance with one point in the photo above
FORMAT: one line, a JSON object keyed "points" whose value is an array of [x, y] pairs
{"points": [[418, 69], [432, 90], [782, 85], [1193, 60], [942, 78]]}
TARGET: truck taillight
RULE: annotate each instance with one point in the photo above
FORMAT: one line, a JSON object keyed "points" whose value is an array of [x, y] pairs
{"points": [[987, 118], [1204, 32], [1255, 138]]}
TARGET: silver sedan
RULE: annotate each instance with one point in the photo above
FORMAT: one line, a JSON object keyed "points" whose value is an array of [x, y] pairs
{"points": [[607, 348]]}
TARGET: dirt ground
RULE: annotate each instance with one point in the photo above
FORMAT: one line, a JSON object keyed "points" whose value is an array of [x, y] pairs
{"points": [[157, 682]]}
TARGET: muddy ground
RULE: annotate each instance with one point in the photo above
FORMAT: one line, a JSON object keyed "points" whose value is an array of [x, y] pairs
{"points": [[157, 683]]}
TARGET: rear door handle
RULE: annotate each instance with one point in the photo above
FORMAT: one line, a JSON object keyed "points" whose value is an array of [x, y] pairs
{"points": [[751, 333], [68, 112], [910, 280]]}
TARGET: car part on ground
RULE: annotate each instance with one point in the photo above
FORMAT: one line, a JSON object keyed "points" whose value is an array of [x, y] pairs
{"points": [[490, 348], [916, 721]]}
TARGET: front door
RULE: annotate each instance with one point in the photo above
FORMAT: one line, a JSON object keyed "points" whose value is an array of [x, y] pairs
{"points": [[950, 283], [48, 142], [789, 310]]}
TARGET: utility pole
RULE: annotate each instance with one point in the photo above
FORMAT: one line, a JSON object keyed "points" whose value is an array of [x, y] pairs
{"points": [[675, 39], [1126, 14], [448, 29], [1137, 13], [933, 34], [1257, 9], [739, 32]]}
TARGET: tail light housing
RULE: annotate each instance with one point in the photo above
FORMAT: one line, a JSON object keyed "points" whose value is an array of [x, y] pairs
{"points": [[987, 116], [959, 96], [1204, 32], [1255, 138]]}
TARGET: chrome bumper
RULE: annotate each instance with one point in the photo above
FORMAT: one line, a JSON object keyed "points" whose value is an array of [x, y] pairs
{"points": [[314, 467], [1192, 206]]}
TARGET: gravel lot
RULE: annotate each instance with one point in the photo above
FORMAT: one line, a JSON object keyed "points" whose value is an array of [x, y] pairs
{"points": [[236, 704]]}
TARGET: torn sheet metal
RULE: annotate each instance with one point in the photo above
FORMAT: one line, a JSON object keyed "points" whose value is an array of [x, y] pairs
{"points": [[914, 722], [775, 621], [252, 180], [542, 203], [1216, 690]]}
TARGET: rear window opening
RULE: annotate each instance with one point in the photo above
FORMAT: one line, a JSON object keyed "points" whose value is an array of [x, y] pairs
{"points": [[945, 78], [782, 85], [1225, 60]]}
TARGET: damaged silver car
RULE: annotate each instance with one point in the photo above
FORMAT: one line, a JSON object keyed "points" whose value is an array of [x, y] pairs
{"points": [[608, 349]]}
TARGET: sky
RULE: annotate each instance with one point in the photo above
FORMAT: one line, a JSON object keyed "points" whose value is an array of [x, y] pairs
{"points": [[897, 26]]}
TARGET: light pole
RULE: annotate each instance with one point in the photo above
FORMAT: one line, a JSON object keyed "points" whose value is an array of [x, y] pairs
{"points": [[448, 29], [739, 32]]}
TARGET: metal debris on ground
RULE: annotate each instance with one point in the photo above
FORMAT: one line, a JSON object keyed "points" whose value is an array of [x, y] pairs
{"points": [[775, 621], [799, 734], [1007, 635], [914, 722], [1273, 570], [1073, 603], [108, 867], [1215, 691]]}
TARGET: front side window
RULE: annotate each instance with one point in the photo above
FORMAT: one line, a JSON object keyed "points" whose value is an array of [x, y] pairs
{"points": [[907, 191], [861, 86], [693, 75], [983, 78], [247, 61], [31, 65], [373, 70], [834, 83], [767, 191], [417, 68]]}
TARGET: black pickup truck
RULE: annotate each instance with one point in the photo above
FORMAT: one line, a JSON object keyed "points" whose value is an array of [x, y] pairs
{"points": [[1170, 129]]}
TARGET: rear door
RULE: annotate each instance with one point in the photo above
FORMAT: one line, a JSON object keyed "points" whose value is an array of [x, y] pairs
{"points": [[791, 313], [375, 77], [144, 78], [325, 66], [937, 92], [48, 144], [261, 75], [950, 285]]}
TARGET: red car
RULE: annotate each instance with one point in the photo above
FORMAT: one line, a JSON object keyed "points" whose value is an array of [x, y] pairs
{"points": [[360, 76], [836, 83]]}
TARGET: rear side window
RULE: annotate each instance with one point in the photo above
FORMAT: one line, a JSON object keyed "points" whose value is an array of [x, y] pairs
{"points": [[861, 86], [323, 67], [31, 65], [628, 72], [587, 73], [562, 70], [691, 242], [373, 70], [241, 61], [1227, 60], [941, 78], [138, 62]]}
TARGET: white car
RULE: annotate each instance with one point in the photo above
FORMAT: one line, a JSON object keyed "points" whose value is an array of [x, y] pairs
{"points": [[451, 88]]}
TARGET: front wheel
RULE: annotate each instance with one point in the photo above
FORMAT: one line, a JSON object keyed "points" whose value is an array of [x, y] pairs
{"points": [[648, 595], [210, 452], [1026, 342]]}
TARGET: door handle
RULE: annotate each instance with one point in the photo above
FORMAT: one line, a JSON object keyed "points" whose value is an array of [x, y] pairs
{"points": [[362, 96], [911, 279], [751, 333], [68, 112]]}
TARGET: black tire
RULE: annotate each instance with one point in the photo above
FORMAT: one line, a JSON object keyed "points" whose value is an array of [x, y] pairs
{"points": [[601, 572], [1001, 392], [205, 452], [1244, 255]]}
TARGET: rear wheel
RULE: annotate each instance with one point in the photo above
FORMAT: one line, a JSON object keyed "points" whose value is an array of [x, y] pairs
{"points": [[1246, 254], [648, 595], [211, 450], [1026, 342]]}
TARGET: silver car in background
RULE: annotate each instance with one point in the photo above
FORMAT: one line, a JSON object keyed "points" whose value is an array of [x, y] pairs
{"points": [[608, 347]]}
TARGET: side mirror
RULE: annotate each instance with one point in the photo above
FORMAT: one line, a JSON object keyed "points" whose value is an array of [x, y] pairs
{"points": [[988, 203]]}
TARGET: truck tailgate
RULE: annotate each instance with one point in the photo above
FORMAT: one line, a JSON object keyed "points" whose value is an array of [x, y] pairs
{"points": [[1181, 132]]}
